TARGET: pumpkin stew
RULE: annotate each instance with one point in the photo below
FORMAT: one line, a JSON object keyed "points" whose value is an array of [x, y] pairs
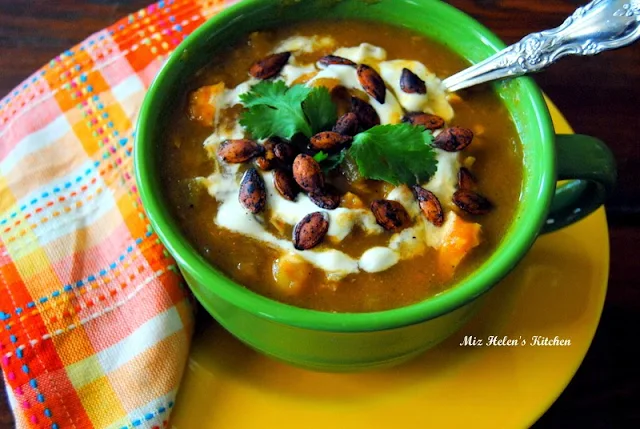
{"points": [[323, 165]]}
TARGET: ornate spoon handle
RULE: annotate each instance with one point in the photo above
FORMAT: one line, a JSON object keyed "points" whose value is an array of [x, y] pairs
{"points": [[598, 26]]}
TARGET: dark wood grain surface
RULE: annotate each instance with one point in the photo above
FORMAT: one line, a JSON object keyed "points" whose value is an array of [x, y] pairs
{"points": [[600, 96]]}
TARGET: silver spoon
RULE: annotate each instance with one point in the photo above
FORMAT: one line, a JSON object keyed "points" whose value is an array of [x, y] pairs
{"points": [[598, 26]]}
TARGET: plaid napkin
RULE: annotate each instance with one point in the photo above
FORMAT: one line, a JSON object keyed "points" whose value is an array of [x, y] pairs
{"points": [[95, 322]]}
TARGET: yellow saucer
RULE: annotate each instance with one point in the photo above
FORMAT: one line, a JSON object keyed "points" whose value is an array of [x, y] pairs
{"points": [[557, 290]]}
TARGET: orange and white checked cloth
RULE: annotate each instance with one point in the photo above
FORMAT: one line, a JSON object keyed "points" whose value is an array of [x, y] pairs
{"points": [[95, 322]]}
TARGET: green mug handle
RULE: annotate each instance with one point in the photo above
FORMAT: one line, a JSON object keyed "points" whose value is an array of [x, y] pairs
{"points": [[589, 165]]}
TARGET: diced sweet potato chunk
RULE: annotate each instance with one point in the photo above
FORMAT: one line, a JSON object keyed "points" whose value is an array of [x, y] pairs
{"points": [[291, 274], [460, 237], [202, 103], [351, 201]]}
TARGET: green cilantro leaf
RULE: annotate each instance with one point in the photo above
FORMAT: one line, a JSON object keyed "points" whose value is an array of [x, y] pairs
{"points": [[398, 154], [320, 156], [273, 109], [329, 162], [320, 110]]}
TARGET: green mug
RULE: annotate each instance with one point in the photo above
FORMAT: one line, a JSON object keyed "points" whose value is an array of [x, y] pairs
{"points": [[350, 342]]}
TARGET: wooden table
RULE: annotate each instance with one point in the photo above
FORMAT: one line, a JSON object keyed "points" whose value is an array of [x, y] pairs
{"points": [[600, 96]]}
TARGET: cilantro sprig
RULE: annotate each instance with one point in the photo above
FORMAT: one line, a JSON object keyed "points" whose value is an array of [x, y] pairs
{"points": [[329, 162], [273, 109], [398, 154]]}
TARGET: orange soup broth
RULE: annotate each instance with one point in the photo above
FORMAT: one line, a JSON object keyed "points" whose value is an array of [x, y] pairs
{"points": [[497, 167]]}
